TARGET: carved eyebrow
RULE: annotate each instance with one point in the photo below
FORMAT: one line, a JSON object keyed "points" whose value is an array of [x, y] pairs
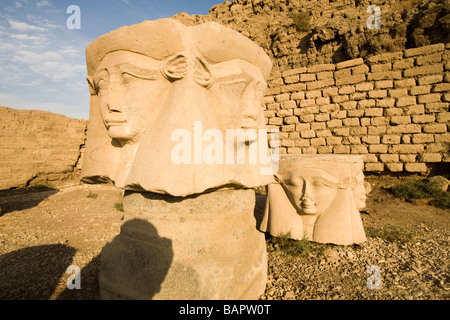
{"points": [[147, 74]]}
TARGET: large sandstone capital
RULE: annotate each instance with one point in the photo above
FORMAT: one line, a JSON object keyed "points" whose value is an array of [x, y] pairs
{"points": [[176, 110]]}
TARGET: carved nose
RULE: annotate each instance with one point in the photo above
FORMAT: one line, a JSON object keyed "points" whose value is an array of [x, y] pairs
{"points": [[308, 201]]}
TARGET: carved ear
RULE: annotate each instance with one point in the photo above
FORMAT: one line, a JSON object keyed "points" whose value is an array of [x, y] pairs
{"points": [[91, 85], [174, 67]]}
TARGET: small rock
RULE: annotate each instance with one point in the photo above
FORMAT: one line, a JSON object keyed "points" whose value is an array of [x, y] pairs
{"points": [[417, 294], [408, 297]]}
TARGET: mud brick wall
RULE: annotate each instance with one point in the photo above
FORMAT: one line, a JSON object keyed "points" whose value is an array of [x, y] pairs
{"points": [[392, 108], [38, 145]]}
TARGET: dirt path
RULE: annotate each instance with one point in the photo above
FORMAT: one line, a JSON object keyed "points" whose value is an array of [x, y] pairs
{"points": [[43, 232]]}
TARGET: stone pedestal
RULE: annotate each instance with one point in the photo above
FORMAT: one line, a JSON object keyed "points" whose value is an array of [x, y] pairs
{"points": [[193, 248]]}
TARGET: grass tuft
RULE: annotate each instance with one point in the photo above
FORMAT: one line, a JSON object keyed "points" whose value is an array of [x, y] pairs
{"points": [[119, 206], [302, 21], [393, 233], [296, 248], [422, 189]]}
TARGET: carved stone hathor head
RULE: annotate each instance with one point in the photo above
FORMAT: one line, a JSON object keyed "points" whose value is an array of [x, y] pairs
{"points": [[164, 96]]}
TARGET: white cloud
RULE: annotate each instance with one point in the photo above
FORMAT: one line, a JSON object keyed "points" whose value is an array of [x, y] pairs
{"points": [[23, 26], [126, 1], [44, 3]]}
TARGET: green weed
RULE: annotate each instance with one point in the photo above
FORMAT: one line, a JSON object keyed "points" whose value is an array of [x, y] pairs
{"points": [[393, 233], [296, 248], [302, 21], [119, 206]]}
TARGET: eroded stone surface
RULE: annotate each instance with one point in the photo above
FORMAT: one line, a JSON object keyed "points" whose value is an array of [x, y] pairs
{"points": [[196, 248]]}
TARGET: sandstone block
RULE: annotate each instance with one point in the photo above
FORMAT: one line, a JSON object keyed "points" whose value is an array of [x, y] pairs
{"points": [[384, 84], [298, 95]]}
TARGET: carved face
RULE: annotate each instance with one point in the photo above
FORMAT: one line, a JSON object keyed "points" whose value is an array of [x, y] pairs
{"points": [[310, 189], [130, 88]]}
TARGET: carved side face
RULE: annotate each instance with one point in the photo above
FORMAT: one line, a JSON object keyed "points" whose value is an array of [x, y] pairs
{"points": [[130, 88]]}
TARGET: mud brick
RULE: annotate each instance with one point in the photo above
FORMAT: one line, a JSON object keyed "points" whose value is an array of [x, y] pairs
{"points": [[406, 101], [424, 118], [400, 120], [330, 92], [292, 79], [341, 149], [347, 89], [424, 70], [334, 141], [408, 158], [371, 139], [282, 97], [384, 84], [389, 158], [435, 128], [427, 98], [390, 139], [304, 77], [429, 59], [321, 67], [407, 148], [381, 67], [398, 93], [314, 94], [422, 138], [374, 167], [298, 95], [394, 167], [385, 103], [365, 86], [378, 148], [354, 79], [420, 90], [391, 112], [436, 78], [349, 63], [415, 167], [405, 83], [325, 149], [416, 109], [424, 50], [320, 84], [430, 157], [373, 112], [404, 128], [289, 73]]}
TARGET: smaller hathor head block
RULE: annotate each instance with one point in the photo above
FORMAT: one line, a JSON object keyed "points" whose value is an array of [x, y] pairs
{"points": [[176, 110], [317, 197]]}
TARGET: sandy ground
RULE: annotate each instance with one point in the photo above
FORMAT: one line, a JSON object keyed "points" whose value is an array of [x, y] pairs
{"points": [[44, 231]]}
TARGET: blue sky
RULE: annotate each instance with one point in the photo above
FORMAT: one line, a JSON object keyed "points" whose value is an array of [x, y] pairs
{"points": [[42, 61]]}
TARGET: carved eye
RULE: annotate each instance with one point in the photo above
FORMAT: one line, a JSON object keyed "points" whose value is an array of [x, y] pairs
{"points": [[102, 84], [127, 78]]}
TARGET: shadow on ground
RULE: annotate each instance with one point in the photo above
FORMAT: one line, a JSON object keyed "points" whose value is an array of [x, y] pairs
{"points": [[22, 199]]}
